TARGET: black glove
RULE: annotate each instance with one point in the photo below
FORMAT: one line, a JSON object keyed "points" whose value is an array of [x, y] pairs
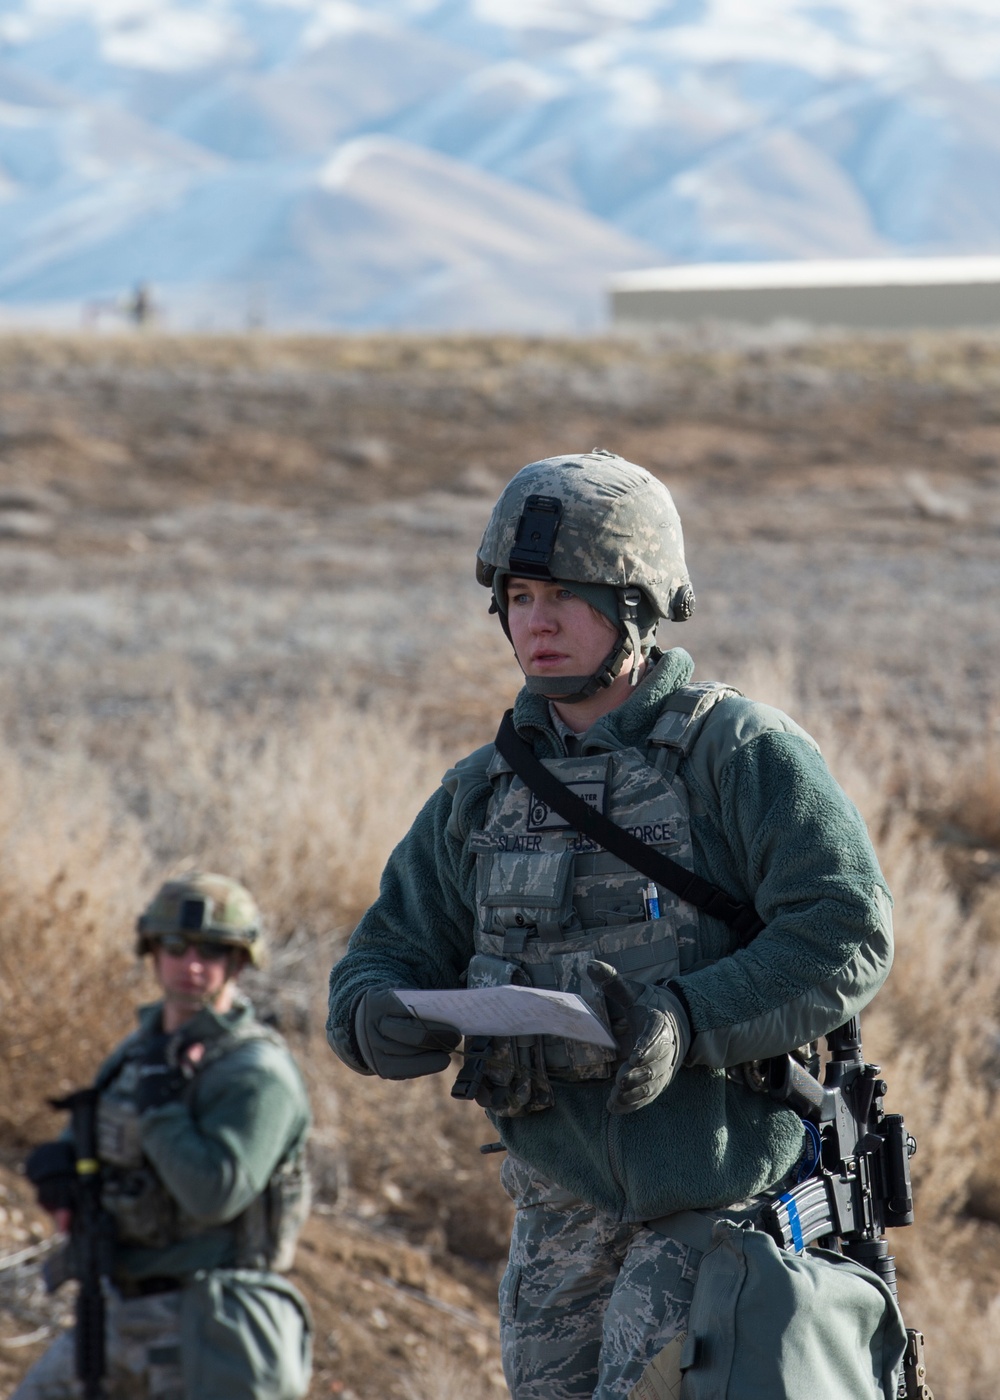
{"points": [[394, 1043], [51, 1169], [653, 1034], [161, 1080]]}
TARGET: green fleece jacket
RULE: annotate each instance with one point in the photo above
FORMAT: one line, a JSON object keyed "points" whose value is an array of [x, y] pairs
{"points": [[770, 826], [216, 1149]]}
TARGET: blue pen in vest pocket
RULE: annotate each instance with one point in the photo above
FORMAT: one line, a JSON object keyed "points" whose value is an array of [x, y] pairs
{"points": [[651, 899]]}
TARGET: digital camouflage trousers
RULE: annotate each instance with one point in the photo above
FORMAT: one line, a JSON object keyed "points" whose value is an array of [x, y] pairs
{"points": [[143, 1355], [586, 1301]]}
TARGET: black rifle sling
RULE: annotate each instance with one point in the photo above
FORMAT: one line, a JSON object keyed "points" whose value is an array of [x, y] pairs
{"points": [[743, 918]]}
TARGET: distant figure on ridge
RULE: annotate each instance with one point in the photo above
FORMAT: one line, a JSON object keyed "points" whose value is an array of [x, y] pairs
{"points": [[140, 307]]}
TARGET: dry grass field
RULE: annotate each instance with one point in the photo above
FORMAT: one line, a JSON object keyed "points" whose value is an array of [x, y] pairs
{"points": [[238, 624]]}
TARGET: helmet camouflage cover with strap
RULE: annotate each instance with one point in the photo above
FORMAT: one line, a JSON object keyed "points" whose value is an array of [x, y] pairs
{"points": [[203, 906], [596, 523]]}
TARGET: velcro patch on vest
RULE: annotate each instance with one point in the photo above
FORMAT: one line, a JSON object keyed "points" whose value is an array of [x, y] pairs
{"points": [[542, 817]]}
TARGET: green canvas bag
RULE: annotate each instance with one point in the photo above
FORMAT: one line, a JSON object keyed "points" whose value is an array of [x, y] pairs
{"points": [[244, 1332], [768, 1324]]}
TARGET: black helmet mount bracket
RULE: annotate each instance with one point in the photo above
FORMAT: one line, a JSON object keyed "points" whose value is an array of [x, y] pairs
{"points": [[536, 537]]}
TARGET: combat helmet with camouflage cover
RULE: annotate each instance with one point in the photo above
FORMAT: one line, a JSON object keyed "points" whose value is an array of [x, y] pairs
{"points": [[202, 905], [604, 527]]}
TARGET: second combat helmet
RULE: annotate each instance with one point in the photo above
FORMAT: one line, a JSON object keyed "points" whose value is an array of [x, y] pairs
{"points": [[201, 904]]}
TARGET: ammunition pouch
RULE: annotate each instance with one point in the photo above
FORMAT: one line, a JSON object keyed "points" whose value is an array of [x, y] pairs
{"points": [[131, 1192], [267, 1231], [504, 1074], [143, 1210]]}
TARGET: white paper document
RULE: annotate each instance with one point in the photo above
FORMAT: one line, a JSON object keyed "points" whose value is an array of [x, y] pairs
{"points": [[510, 1010]]}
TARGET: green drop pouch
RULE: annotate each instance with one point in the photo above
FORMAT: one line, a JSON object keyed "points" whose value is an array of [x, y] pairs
{"points": [[768, 1324]]}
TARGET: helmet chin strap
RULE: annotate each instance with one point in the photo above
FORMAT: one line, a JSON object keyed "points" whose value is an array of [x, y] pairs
{"points": [[571, 690]]}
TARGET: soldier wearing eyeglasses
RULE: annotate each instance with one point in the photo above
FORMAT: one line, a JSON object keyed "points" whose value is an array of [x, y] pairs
{"points": [[201, 1125]]}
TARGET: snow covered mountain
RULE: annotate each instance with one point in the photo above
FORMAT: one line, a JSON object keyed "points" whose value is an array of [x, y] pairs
{"points": [[476, 163]]}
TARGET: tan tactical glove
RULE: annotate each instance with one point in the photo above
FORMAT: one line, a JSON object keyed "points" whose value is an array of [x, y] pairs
{"points": [[653, 1034]]}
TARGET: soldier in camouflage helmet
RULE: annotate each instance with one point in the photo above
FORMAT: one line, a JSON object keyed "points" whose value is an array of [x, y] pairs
{"points": [[584, 557], [204, 908], [202, 1120]]}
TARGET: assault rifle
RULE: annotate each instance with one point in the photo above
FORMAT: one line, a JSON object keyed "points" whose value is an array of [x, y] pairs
{"points": [[91, 1242], [861, 1183]]}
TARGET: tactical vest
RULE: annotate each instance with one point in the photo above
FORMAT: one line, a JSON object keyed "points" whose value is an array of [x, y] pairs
{"points": [[146, 1214], [549, 901]]}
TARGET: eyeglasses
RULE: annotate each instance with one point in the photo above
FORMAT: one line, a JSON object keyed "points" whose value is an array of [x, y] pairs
{"points": [[177, 945]]}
